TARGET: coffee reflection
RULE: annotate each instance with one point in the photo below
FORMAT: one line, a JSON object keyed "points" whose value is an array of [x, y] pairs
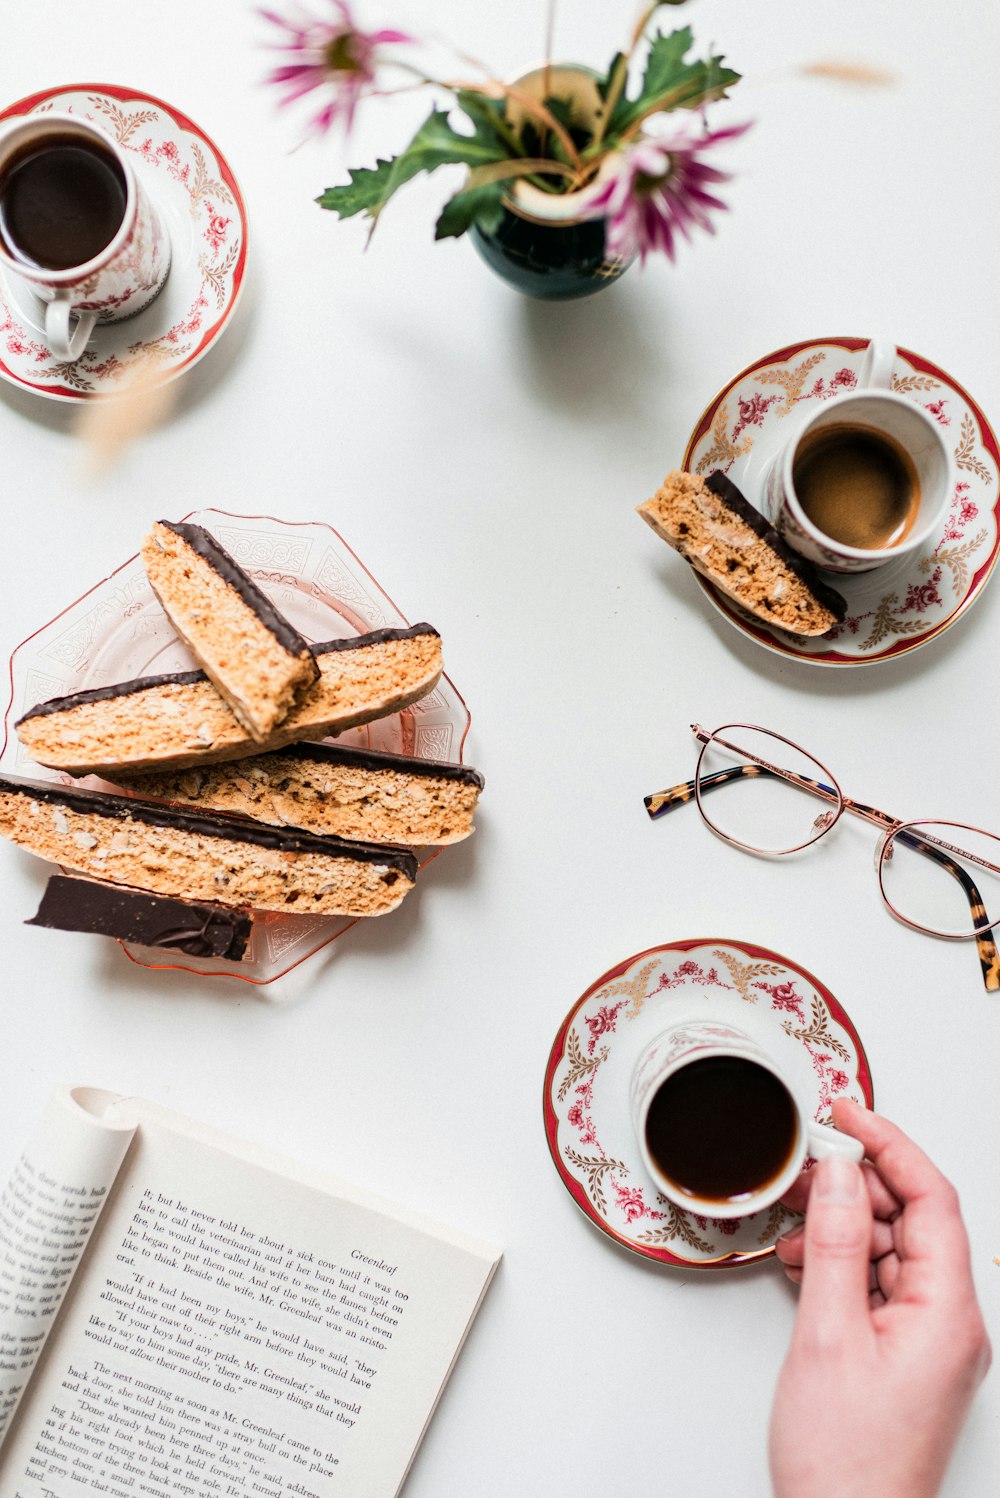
{"points": [[856, 485]]}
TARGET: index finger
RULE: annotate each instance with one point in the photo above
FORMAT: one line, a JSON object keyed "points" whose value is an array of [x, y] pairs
{"points": [[932, 1242]]}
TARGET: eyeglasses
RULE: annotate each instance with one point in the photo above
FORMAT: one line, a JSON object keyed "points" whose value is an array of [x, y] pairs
{"points": [[930, 873]]}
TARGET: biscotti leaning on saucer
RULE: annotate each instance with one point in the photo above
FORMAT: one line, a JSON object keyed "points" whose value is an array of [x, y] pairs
{"points": [[201, 855], [328, 788], [256, 659], [172, 721], [711, 525]]}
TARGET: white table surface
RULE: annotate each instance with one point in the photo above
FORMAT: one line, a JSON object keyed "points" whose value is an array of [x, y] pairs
{"points": [[483, 455]]}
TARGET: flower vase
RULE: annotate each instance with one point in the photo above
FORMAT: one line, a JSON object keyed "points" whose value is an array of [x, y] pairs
{"points": [[545, 246]]}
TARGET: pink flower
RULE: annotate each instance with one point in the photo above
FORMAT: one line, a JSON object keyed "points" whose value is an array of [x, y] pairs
{"points": [[330, 54], [630, 1201], [660, 191]]}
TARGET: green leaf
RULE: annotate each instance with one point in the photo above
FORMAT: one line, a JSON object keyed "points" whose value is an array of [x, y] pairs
{"points": [[481, 205], [671, 83], [366, 188], [435, 144]]}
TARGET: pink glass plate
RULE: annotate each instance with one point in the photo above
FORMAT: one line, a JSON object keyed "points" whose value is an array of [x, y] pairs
{"points": [[118, 630], [588, 1123], [903, 605]]}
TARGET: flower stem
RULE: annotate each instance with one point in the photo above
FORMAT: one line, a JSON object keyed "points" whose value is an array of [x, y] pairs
{"points": [[619, 75]]}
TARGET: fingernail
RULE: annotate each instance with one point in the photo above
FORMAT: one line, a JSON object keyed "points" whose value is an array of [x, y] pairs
{"points": [[793, 1233], [837, 1179]]}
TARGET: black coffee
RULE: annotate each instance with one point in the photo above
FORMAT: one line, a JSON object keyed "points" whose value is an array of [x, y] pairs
{"points": [[62, 200], [856, 485], [721, 1128]]}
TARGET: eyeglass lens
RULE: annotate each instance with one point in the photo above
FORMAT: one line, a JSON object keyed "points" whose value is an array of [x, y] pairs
{"points": [[942, 877], [759, 809]]}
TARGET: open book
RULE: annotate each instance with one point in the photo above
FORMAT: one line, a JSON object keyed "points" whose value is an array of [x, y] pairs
{"points": [[182, 1314]]}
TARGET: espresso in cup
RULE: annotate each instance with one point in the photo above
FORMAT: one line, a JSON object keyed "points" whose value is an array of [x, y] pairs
{"points": [[62, 201], [77, 228], [857, 485], [722, 1129], [720, 1126]]}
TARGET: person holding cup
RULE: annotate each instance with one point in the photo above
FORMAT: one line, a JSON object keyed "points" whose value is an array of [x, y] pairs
{"points": [[889, 1344]]}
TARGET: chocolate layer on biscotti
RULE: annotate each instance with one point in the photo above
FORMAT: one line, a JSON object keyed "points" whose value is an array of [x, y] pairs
{"points": [[179, 719], [712, 525], [202, 855], [353, 793], [258, 661], [146, 920]]}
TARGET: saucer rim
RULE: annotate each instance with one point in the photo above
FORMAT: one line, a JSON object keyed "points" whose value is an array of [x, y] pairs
{"points": [[833, 658], [665, 1256], [123, 94]]}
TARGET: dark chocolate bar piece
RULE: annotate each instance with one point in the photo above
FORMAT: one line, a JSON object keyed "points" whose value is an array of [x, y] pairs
{"points": [[148, 920]]}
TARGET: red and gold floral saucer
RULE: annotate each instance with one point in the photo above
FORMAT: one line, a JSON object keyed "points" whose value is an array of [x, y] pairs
{"points": [[193, 186], [903, 605], [586, 1099]]}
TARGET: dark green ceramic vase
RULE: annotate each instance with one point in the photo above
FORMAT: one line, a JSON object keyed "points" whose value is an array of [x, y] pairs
{"points": [[550, 261], [543, 247]]}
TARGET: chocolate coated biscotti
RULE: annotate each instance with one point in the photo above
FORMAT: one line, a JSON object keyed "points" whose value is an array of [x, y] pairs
{"points": [[256, 658], [711, 525], [354, 793], [201, 855], [147, 920], [168, 722]]}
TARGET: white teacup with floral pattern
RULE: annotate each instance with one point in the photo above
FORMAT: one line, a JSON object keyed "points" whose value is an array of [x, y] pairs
{"points": [[118, 281], [882, 413], [721, 1135]]}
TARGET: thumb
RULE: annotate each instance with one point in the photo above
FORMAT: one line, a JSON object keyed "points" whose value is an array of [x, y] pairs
{"points": [[833, 1307]]}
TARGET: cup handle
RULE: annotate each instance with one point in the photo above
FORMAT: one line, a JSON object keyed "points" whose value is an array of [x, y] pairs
{"points": [[57, 334], [825, 1141], [878, 365]]}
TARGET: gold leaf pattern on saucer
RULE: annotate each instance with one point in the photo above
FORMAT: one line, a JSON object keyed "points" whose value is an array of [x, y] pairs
{"points": [[741, 973], [579, 1064], [791, 379], [964, 454], [818, 1032], [594, 1168]]}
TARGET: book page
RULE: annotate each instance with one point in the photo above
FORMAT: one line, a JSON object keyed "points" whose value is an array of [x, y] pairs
{"points": [[48, 1209], [234, 1331]]}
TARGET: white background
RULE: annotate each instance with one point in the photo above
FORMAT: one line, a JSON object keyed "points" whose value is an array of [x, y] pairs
{"points": [[483, 456]]}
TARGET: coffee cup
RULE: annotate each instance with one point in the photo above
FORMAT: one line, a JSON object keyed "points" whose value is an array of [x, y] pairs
{"points": [[76, 226], [863, 479], [720, 1126]]}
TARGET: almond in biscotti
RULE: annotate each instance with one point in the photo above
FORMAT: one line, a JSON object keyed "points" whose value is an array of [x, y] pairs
{"points": [[258, 661], [711, 525]]}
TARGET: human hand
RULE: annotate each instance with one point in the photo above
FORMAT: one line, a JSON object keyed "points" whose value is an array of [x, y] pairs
{"points": [[889, 1343]]}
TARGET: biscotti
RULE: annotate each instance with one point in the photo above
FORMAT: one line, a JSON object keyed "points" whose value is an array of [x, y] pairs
{"points": [[201, 855], [147, 920], [169, 722], [257, 660], [713, 527], [353, 793]]}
